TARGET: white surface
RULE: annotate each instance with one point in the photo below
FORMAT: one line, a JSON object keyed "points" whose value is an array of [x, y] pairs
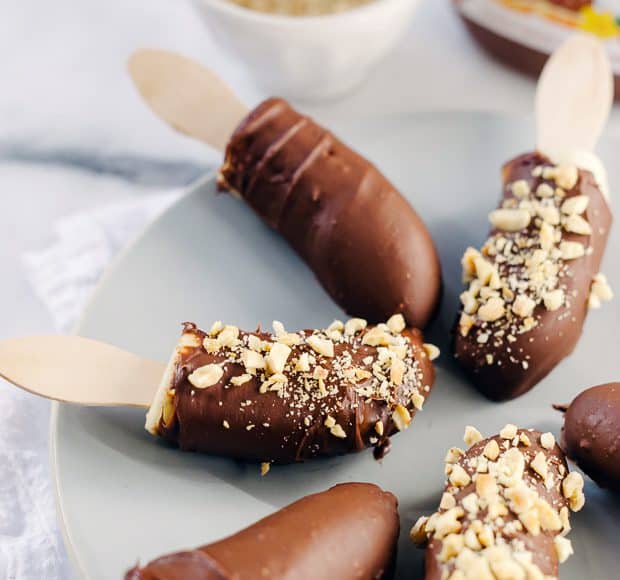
{"points": [[65, 91], [30, 546], [67, 85], [197, 499], [309, 58], [64, 274]]}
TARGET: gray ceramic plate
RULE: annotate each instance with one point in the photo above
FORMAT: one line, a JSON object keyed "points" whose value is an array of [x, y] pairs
{"points": [[124, 496]]}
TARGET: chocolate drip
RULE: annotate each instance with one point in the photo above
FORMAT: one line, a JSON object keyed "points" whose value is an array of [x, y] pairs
{"points": [[504, 361], [366, 245], [348, 532], [591, 434]]}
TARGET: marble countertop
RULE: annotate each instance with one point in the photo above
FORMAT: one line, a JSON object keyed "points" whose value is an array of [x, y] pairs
{"points": [[74, 135]]}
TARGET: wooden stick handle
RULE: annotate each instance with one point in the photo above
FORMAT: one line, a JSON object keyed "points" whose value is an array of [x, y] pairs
{"points": [[574, 97], [187, 96], [79, 370]]}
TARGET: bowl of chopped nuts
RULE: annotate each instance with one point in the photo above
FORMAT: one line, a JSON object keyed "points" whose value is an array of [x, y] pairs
{"points": [[308, 49]]}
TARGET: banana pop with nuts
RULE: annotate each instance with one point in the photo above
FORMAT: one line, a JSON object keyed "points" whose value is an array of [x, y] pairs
{"points": [[530, 286], [505, 509], [285, 397]]}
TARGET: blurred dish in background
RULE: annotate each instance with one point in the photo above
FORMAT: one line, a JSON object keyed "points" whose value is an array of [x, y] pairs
{"points": [[300, 7], [523, 33], [311, 57]]}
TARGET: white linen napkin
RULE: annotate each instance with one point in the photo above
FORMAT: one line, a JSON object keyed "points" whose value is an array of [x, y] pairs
{"points": [[63, 276]]}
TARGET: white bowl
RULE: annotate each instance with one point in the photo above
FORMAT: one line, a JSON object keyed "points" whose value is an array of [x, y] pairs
{"points": [[309, 57]]}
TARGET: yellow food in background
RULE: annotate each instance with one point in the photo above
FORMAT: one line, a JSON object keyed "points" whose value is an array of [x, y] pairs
{"points": [[603, 24], [300, 7]]}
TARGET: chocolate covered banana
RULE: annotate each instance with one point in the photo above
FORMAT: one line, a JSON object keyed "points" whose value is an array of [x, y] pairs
{"points": [[348, 532], [591, 434], [505, 509], [366, 245], [530, 286], [291, 396]]}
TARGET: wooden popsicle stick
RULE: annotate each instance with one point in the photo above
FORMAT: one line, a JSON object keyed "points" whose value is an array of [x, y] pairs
{"points": [[72, 369], [574, 97], [187, 96]]}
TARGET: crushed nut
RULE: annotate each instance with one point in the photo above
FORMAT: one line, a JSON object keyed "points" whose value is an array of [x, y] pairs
{"points": [[303, 363], [451, 546], [453, 455], [508, 432], [448, 522], [459, 477], [470, 503], [418, 532], [466, 322], [277, 357], [520, 189], [575, 205], [549, 214], [539, 464], [577, 225], [471, 436], [566, 176], [401, 417], [206, 376], [563, 548], [491, 311], [432, 352], [168, 409], [544, 190], [338, 431], [241, 379], [396, 323], [447, 501], [572, 250], [216, 328], [491, 450], [600, 288], [547, 441], [376, 337], [523, 306], [486, 486], [554, 299], [510, 220], [252, 360], [572, 489], [322, 346], [548, 517], [397, 372], [354, 325], [468, 261], [511, 466], [211, 345], [229, 336]]}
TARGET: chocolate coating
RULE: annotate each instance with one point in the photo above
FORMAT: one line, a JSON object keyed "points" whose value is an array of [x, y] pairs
{"points": [[366, 245], [591, 434], [509, 359], [348, 532], [291, 424], [522, 546]]}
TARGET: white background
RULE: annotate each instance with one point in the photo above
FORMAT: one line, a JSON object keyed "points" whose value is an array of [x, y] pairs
{"points": [[64, 95]]}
